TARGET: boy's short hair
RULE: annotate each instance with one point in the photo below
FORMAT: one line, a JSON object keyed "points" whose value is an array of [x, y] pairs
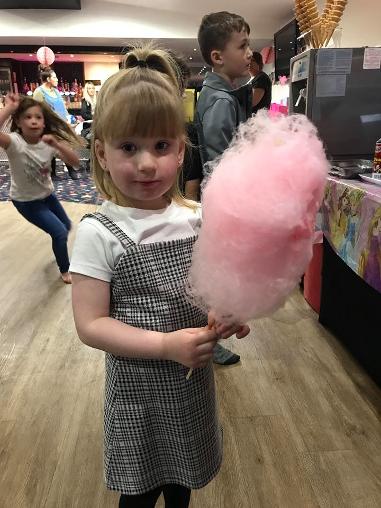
{"points": [[257, 58], [215, 32]]}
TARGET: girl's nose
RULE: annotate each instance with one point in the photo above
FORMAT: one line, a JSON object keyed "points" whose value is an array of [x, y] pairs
{"points": [[147, 161]]}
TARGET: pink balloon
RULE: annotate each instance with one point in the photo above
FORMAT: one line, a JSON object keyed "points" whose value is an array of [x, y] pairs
{"points": [[45, 55], [268, 55]]}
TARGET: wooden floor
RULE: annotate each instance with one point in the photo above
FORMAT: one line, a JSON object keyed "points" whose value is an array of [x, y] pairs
{"points": [[301, 420]]}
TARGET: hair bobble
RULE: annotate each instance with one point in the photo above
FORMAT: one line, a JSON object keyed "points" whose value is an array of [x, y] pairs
{"points": [[140, 63]]}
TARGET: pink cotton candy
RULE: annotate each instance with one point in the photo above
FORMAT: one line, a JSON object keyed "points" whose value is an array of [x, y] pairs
{"points": [[259, 209]]}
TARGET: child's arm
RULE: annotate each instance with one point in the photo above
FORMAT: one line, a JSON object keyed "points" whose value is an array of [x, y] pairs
{"points": [[191, 347], [258, 94], [219, 124], [192, 189], [12, 101], [66, 154]]}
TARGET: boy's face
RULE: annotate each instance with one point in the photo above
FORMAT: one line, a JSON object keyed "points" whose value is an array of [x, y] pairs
{"points": [[234, 60]]}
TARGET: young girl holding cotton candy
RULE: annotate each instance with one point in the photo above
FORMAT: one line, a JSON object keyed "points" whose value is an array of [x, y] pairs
{"points": [[37, 136], [129, 266]]}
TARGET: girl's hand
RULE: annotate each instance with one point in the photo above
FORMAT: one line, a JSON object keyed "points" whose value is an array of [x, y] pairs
{"points": [[50, 140], [192, 347], [227, 328], [12, 101]]}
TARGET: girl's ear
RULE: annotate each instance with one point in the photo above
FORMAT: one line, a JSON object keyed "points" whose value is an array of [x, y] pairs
{"points": [[100, 153], [181, 153]]}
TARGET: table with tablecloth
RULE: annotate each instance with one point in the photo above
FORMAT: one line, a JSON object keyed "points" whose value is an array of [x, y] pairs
{"points": [[351, 274]]}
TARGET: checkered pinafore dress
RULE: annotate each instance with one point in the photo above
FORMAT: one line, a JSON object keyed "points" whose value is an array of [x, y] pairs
{"points": [[160, 428]]}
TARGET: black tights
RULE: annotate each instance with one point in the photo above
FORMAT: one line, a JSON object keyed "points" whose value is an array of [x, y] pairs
{"points": [[54, 166], [176, 496]]}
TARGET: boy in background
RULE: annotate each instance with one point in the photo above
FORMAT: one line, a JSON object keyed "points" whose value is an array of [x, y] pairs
{"points": [[224, 44], [223, 38]]}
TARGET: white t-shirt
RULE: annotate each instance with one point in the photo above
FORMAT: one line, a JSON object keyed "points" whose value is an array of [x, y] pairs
{"points": [[30, 166], [97, 251]]}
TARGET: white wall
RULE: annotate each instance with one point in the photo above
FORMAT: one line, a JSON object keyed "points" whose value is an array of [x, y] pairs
{"points": [[99, 71], [140, 18], [95, 19], [361, 23], [176, 19]]}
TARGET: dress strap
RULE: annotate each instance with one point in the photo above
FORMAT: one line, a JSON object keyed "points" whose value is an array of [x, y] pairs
{"points": [[112, 227]]}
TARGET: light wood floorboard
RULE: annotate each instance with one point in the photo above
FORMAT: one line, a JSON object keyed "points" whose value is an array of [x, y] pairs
{"points": [[301, 419]]}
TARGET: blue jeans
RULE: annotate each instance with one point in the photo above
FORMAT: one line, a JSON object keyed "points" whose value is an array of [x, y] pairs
{"points": [[48, 215]]}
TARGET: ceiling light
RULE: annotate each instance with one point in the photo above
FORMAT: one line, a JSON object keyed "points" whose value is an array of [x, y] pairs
{"points": [[190, 58], [194, 49]]}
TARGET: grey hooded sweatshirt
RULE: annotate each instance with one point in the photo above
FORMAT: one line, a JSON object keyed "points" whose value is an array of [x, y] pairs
{"points": [[220, 109]]}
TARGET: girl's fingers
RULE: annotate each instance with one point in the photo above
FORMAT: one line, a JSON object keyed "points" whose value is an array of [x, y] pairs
{"points": [[206, 348], [239, 330], [211, 320], [206, 337], [243, 332]]}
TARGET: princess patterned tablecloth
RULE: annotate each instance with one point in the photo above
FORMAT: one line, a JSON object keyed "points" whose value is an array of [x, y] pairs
{"points": [[351, 221]]}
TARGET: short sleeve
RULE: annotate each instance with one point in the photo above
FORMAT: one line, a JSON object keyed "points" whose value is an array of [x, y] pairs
{"points": [[38, 95], [94, 252], [16, 146], [261, 82]]}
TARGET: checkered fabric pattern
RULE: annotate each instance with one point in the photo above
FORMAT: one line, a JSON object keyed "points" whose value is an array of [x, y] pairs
{"points": [[160, 428]]}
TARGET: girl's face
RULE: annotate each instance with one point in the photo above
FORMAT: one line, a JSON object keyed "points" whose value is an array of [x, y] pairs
{"points": [[53, 80], [142, 169], [91, 90], [32, 124]]}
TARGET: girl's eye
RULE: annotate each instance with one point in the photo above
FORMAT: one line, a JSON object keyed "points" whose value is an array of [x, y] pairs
{"points": [[161, 146], [129, 148]]}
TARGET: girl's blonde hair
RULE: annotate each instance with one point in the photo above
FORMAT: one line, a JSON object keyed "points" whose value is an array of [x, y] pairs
{"points": [[142, 100], [53, 123], [92, 100]]}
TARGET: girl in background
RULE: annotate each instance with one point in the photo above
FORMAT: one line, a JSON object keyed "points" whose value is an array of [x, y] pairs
{"points": [[49, 94], [37, 135], [89, 101], [129, 266]]}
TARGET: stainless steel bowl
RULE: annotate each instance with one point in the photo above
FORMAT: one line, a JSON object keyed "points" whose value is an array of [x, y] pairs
{"points": [[351, 168]]}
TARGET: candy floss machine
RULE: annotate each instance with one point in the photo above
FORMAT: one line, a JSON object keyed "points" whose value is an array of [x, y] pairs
{"points": [[340, 91]]}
